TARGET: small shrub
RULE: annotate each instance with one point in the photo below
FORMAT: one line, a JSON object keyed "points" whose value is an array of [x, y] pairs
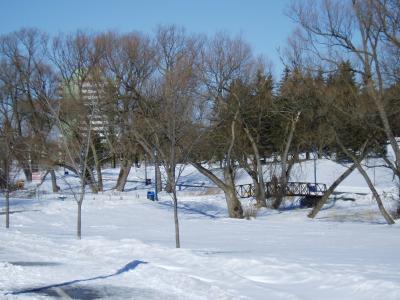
{"points": [[250, 211], [393, 204]]}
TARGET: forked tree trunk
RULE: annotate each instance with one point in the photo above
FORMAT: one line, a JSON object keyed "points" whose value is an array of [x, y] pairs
{"points": [[280, 190], [329, 192], [283, 179], [54, 185], [123, 175], [259, 189], [259, 182], [227, 186]]}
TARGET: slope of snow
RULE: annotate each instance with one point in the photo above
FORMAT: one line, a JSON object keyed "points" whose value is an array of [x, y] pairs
{"points": [[127, 250]]}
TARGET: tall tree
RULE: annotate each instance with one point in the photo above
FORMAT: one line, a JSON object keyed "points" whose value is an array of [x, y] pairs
{"points": [[225, 60], [23, 69], [127, 65], [169, 110]]}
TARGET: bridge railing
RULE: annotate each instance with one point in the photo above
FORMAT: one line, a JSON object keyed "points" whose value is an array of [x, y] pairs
{"points": [[245, 190], [291, 189]]}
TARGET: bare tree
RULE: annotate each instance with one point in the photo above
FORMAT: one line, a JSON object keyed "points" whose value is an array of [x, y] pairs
{"points": [[75, 58], [254, 101], [225, 60], [127, 63], [6, 138], [23, 67], [24, 78], [170, 105], [75, 142]]}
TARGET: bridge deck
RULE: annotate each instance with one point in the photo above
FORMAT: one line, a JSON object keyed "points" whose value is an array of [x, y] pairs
{"points": [[292, 189]]}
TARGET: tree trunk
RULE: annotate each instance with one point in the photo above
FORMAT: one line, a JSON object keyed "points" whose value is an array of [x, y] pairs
{"points": [[91, 181], [54, 185], [99, 178], [28, 174], [170, 179], [158, 175], [98, 167], [378, 199], [113, 161], [283, 179], [259, 182], [7, 186], [79, 220], [7, 207], [228, 187], [176, 220], [3, 183], [260, 193], [123, 175], [259, 189], [234, 206], [280, 192], [145, 169], [329, 192], [385, 121], [257, 193]]}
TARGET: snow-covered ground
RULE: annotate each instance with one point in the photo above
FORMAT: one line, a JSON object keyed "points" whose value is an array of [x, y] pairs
{"points": [[127, 250]]}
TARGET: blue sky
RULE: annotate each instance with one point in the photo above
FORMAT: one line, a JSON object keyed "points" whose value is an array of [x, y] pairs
{"points": [[261, 23]]}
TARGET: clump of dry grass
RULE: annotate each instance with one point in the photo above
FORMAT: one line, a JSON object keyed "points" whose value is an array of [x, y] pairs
{"points": [[211, 191]]}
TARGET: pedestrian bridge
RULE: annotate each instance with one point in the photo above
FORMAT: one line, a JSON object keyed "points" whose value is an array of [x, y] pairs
{"points": [[304, 189]]}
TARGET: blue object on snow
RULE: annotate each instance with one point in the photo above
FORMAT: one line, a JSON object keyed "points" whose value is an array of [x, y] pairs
{"points": [[150, 195]]}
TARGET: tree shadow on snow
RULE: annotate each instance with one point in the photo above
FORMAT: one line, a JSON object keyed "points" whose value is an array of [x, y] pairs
{"points": [[128, 267], [18, 211], [189, 210]]}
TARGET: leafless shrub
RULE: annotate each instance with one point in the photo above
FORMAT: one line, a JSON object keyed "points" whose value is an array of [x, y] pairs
{"points": [[393, 204], [250, 211]]}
